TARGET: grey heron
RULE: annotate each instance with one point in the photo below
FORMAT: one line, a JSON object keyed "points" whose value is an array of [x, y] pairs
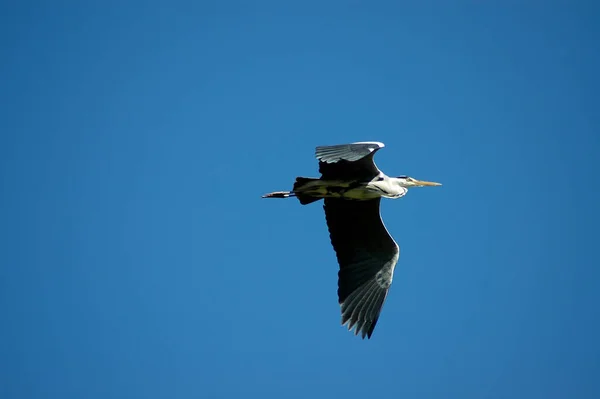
{"points": [[352, 187]]}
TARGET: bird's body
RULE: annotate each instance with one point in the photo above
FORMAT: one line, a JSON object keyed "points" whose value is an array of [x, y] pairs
{"points": [[380, 186], [352, 187]]}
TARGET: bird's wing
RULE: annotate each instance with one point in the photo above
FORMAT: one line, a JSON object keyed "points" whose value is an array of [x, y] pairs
{"points": [[348, 161], [347, 152], [367, 256]]}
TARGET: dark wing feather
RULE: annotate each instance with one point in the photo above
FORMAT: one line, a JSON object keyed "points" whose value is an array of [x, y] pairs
{"points": [[367, 256], [348, 161]]}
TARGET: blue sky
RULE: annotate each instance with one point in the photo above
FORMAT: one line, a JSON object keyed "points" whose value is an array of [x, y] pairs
{"points": [[138, 260]]}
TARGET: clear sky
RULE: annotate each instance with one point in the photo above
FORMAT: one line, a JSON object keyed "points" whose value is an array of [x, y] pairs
{"points": [[137, 259]]}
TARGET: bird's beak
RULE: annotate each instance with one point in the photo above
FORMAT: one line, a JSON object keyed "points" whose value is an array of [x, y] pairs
{"points": [[426, 183]]}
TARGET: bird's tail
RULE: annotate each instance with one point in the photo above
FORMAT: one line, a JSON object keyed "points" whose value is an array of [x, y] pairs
{"points": [[300, 183]]}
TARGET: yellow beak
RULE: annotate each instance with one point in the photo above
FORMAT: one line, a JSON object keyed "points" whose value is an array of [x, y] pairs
{"points": [[427, 183]]}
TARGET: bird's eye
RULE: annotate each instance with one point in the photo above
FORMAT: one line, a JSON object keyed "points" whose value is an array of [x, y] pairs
{"points": [[403, 177]]}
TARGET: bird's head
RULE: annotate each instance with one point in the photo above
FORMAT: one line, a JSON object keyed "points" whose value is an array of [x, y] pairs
{"points": [[407, 182]]}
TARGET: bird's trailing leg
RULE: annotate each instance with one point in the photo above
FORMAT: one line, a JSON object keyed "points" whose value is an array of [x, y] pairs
{"points": [[279, 194]]}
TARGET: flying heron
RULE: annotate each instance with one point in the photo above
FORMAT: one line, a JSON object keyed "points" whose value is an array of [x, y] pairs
{"points": [[352, 187]]}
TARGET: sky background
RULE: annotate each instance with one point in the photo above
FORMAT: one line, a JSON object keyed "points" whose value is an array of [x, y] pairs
{"points": [[137, 259]]}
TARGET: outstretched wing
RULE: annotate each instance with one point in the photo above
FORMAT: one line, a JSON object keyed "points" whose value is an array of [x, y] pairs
{"points": [[348, 161], [367, 256]]}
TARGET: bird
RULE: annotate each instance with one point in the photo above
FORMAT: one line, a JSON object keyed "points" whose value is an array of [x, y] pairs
{"points": [[351, 186]]}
